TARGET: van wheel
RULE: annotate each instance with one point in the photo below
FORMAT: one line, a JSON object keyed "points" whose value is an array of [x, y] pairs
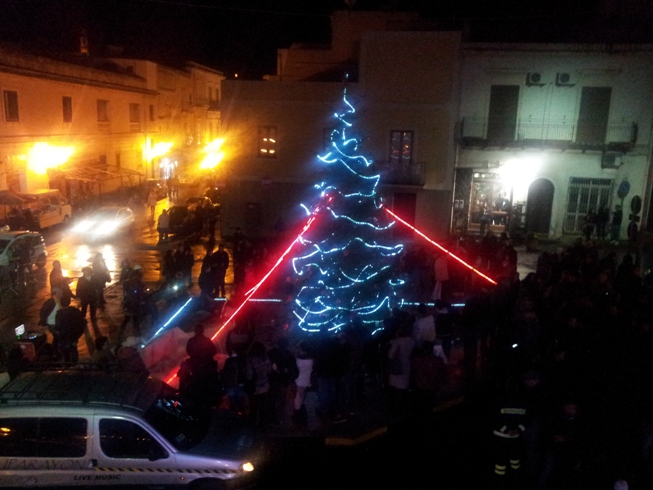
{"points": [[40, 261]]}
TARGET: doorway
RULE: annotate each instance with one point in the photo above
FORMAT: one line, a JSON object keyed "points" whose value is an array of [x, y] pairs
{"points": [[539, 205]]}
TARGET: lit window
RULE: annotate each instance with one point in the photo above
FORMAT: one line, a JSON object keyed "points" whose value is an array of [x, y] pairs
{"points": [[67, 107], [103, 110], [11, 105], [267, 141], [401, 147], [134, 113]]}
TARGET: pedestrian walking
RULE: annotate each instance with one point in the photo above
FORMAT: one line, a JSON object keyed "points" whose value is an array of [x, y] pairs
{"points": [[87, 296], [70, 324], [164, 225], [221, 264], [47, 316], [152, 200], [100, 278], [134, 302], [58, 280]]}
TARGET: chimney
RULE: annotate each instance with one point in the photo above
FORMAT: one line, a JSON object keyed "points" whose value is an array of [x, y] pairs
{"points": [[83, 42]]}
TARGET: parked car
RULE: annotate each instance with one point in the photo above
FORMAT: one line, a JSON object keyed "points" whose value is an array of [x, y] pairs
{"points": [[105, 222], [183, 221], [193, 202], [12, 243], [77, 428]]}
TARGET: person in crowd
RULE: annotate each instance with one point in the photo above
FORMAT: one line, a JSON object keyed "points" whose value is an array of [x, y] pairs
{"points": [[615, 226], [427, 373], [100, 277], [590, 223], [47, 316], [125, 272], [206, 279], [152, 200], [233, 380], [58, 280], [441, 275], [168, 267], [399, 365], [134, 302], [282, 378], [424, 327], [70, 324], [602, 219], [163, 225], [221, 264], [257, 385], [328, 367], [202, 384], [305, 362], [87, 296]]}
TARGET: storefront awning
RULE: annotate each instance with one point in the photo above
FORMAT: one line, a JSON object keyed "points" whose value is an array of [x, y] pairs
{"points": [[98, 175]]}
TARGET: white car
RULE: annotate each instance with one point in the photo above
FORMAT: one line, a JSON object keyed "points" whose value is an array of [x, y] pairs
{"points": [[82, 428], [12, 243], [105, 222]]}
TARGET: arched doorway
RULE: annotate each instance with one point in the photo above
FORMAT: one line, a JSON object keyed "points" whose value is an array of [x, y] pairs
{"points": [[538, 206]]}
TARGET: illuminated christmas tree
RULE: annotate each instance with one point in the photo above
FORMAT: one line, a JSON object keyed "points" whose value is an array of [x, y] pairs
{"points": [[347, 264]]}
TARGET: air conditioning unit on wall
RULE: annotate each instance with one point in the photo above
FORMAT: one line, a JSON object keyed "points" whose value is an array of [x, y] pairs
{"points": [[534, 79], [610, 160], [565, 80]]}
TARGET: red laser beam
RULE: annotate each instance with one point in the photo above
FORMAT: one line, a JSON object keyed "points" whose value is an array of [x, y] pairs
{"points": [[251, 292], [441, 247]]}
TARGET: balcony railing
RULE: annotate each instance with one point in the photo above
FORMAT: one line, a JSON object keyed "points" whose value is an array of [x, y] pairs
{"points": [[476, 131], [400, 173]]}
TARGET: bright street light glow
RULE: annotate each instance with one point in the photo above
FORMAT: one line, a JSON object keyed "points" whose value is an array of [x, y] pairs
{"points": [[43, 156]]}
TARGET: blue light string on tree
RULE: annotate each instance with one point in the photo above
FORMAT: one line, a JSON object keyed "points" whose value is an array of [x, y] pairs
{"points": [[346, 262]]}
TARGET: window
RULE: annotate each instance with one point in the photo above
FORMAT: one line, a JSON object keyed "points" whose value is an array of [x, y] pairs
{"points": [[32, 437], [67, 106], [151, 113], [401, 147], [118, 162], [583, 195], [103, 110], [11, 105], [502, 118], [267, 141], [134, 113], [125, 440]]}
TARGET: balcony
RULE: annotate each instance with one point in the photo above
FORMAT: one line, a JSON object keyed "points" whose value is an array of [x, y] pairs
{"points": [[476, 132], [400, 173]]}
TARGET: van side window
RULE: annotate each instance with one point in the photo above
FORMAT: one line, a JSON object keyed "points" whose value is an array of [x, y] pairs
{"points": [[46, 437], [125, 440]]}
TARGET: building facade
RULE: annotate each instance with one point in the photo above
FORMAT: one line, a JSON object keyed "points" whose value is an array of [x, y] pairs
{"points": [[88, 125], [403, 84], [550, 133]]}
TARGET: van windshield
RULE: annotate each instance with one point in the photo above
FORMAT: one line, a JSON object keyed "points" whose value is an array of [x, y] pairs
{"points": [[174, 420]]}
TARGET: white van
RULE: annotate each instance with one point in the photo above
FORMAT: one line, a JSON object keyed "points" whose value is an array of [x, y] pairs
{"points": [[80, 428], [48, 207]]}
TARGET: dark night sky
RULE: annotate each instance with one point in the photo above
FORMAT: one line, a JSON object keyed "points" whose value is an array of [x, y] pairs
{"points": [[243, 35]]}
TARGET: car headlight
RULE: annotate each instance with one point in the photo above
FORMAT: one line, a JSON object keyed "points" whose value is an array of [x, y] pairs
{"points": [[107, 228], [83, 226], [248, 467]]}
